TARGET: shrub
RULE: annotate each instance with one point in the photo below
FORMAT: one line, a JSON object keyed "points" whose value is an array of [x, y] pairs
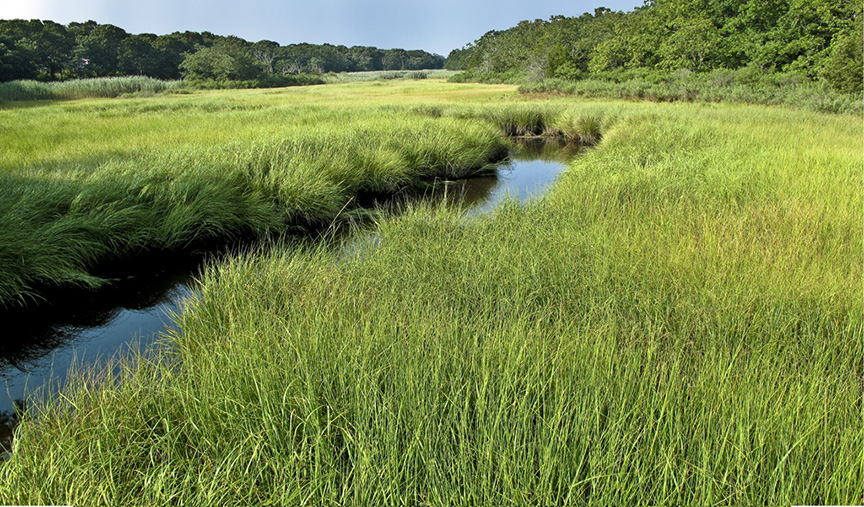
{"points": [[844, 69]]}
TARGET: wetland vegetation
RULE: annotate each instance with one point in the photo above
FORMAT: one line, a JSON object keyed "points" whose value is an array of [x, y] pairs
{"points": [[804, 54], [677, 321]]}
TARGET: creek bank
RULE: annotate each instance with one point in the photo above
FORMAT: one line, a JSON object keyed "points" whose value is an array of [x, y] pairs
{"points": [[84, 328]]}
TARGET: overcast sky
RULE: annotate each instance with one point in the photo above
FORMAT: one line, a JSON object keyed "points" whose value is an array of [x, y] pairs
{"points": [[434, 25]]}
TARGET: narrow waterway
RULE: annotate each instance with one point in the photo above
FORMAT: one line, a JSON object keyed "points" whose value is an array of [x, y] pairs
{"points": [[43, 343], [529, 172]]}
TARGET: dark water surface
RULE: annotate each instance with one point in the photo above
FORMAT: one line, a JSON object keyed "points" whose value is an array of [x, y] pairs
{"points": [[41, 344], [88, 327], [528, 173]]}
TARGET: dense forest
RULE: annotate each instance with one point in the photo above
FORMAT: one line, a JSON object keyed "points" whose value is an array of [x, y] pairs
{"points": [[814, 39], [48, 51]]}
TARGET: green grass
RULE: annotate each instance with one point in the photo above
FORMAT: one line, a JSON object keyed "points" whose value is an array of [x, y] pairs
{"points": [[172, 172], [85, 88], [677, 322]]}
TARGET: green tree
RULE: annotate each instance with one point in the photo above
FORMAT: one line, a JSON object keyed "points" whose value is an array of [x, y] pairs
{"points": [[460, 59], [395, 59], [98, 52], [365, 58], [50, 49], [229, 58], [559, 55], [265, 52], [14, 62], [634, 42], [138, 56], [172, 49], [695, 44], [844, 68]]}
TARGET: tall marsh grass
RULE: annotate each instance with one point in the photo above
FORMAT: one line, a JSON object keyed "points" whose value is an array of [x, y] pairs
{"points": [[386, 75], [713, 87], [57, 224], [105, 87], [678, 322]]}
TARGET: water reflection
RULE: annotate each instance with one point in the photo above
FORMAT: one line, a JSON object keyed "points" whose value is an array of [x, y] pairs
{"points": [[44, 340], [533, 166]]}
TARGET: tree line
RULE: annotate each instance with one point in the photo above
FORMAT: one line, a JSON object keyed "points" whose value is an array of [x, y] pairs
{"points": [[48, 51], [819, 39]]}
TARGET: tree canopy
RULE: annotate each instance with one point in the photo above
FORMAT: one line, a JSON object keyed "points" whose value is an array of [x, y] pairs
{"points": [[816, 38], [45, 50]]}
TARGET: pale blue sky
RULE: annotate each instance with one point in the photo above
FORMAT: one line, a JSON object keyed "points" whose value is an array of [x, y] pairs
{"points": [[435, 25]]}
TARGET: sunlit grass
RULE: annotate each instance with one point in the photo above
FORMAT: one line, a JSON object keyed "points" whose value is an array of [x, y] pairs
{"points": [[678, 322]]}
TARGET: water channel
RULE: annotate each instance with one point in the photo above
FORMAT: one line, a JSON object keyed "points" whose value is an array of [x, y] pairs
{"points": [[44, 342]]}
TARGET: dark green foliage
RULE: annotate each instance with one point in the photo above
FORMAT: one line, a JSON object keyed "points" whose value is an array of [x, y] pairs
{"points": [[815, 38], [748, 85], [844, 68], [459, 59], [46, 51], [98, 52], [34, 49], [559, 55], [14, 62], [138, 56], [230, 58]]}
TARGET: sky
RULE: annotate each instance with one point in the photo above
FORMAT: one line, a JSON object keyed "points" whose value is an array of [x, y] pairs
{"points": [[437, 26]]}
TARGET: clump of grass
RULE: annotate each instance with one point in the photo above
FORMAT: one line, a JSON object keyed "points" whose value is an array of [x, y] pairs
{"points": [[434, 111], [586, 128], [520, 121]]}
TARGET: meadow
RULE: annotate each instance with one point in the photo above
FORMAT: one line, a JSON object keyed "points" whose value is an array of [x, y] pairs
{"points": [[85, 182], [678, 321]]}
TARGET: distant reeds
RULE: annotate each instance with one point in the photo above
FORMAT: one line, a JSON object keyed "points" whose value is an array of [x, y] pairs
{"points": [[105, 87], [386, 75]]}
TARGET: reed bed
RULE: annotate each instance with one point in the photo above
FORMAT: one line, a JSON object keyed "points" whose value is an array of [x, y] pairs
{"points": [[678, 322], [105, 87], [386, 75]]}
